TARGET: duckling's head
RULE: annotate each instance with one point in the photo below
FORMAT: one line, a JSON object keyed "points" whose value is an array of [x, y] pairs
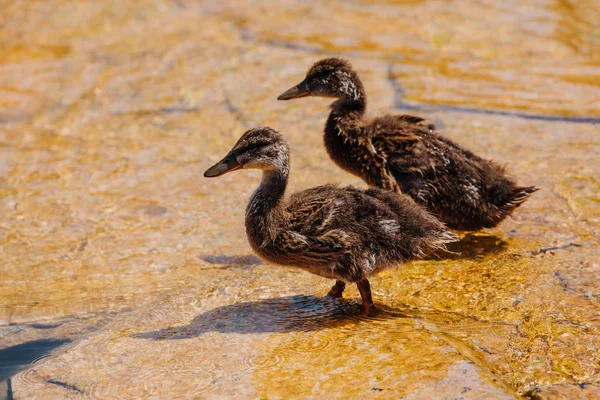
{"points": [[259, 148], [331, 77]]}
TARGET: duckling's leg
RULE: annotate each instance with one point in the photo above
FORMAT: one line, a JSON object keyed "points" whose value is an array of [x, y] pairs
{"points": [[364, 288], [337, 289]]}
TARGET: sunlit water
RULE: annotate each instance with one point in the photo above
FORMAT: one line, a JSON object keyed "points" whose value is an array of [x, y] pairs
{"points": [[109, 236]]}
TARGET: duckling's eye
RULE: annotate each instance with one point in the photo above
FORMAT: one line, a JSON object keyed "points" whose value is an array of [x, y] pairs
{"points": [[254, 146], [321, 75]]}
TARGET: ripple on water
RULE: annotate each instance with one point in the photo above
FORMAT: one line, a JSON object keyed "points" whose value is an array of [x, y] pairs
{"points": [[227, 348], [106, 139], [349, 342], [386, 343], [261, 362]]}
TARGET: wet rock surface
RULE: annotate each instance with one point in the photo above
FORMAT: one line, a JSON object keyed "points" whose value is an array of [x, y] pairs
{"points": [[111, 239]]}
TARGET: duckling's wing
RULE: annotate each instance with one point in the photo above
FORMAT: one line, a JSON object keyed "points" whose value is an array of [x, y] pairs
{"points": [[398, 134], [326, 248], [309, 212], [394, 142], [310, 233]]}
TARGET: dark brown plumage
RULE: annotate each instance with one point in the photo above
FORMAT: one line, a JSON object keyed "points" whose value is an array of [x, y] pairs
{"points": [[346, 234], [405, 153]]}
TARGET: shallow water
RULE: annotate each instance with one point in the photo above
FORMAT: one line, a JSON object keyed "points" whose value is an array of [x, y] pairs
{"points": [[110, 112], [17, 358]]}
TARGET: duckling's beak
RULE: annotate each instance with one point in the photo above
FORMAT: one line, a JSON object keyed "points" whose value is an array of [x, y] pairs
{"points": [[300, 90], [227, 164]]}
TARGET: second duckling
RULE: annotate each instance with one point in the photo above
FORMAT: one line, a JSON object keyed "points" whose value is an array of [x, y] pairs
{"points": [[346, 234], [405, 153]]}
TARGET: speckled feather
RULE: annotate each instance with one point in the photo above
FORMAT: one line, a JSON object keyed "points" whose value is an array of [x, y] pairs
{"points": [[405, 153], [343, 233]]}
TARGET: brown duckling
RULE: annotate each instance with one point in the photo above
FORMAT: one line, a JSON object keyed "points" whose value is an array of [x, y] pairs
{"points": [[346, 234], [405, 153]]}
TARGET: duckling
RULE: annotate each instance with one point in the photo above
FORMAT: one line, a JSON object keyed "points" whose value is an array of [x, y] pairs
{"points": [[405, 154], [347, 234]]}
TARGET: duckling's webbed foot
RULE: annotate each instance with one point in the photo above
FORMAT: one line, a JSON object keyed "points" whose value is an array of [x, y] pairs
{"points": [[364, 288], [337, 290]]}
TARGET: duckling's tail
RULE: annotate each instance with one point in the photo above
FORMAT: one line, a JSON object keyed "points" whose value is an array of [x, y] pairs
{"points": [[438, 241], [516, 197]]}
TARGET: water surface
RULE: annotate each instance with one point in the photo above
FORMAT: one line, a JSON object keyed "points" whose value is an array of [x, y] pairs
{"points": [[110, 112]]}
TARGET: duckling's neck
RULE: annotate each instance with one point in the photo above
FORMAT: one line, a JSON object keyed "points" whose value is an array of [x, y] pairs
{"points": [[348, 110], [347, 106], [264, 211], [343, 130]]}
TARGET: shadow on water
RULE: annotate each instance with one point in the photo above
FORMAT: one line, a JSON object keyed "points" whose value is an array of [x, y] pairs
{"points": [[291, 314], [17, 358], [310, 313], [281, 314], [472, 246]]}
